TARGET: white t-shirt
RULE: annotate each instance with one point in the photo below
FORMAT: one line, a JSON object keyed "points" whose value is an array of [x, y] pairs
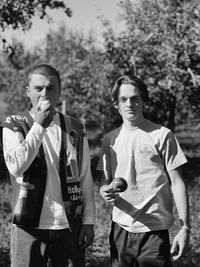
{"points": [[142, 156]]}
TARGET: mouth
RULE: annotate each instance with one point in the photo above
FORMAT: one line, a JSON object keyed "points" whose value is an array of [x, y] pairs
{"points": [[42, 103], [130, 111], [43, 99]]}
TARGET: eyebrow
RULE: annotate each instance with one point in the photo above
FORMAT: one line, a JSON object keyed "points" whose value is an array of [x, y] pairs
{"points": [[132, 97]]}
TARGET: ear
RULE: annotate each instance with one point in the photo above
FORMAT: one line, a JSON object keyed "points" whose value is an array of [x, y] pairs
{"points": [[27, 91], [117, 107]]}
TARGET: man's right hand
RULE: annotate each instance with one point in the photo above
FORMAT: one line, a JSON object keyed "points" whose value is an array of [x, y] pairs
{"points": [[108, 193], [44, 115]]}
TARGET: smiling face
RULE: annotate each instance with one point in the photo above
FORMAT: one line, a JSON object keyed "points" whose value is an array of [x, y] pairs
{"points": [[130, 104], [43, 87]]}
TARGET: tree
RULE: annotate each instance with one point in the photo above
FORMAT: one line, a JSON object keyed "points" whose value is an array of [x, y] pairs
{"points": [[82, 67], [83, 75], [13, 76], [160, 44], [18, 14]]}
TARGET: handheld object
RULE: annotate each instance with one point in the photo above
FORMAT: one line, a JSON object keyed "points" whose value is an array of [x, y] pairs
{"points": [[42, 104], [119, 184]]}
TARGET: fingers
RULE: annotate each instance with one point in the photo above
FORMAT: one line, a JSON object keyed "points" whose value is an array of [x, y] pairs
{"points": [[86, 237], [86, 242], [176, 254], [112, 197], [43, 105], [176, 257], [177, 249], [109, 194], [44, 117]]}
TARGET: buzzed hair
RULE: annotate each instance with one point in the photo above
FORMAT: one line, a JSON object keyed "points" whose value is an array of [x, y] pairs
{"points": [[129, 79], [44, 69]]}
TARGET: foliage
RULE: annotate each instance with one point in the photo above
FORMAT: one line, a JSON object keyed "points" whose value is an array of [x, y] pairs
{"points": [[160, 44], [13, 76], [83, 73], [18, 14]]}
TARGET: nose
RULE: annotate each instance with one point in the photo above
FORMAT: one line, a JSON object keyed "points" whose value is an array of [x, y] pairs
{"points": [[128, 102], [44, 92]]}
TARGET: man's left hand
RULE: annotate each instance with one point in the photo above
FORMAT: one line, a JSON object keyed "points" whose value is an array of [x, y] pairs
{"points": [[180, 244], [86, 235]]}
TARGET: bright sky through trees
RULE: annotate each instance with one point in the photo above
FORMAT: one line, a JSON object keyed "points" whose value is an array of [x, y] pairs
{"points": [[85, 17]]}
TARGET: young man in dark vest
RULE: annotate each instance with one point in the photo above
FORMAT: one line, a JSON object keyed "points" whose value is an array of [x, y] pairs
{"points": [[47, 156]]}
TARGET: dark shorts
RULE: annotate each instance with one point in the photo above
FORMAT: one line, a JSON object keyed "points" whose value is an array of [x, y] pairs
{"points": [[34, 247], [149, 249]]}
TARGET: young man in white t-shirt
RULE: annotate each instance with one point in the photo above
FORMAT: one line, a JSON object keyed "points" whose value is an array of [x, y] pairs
{"points": [[149, 158]]}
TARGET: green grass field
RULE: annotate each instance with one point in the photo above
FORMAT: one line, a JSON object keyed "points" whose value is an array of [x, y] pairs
{"points": [[98, 254]]}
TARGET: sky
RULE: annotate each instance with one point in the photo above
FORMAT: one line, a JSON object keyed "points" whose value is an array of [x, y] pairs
{"points": [[84, 18]]}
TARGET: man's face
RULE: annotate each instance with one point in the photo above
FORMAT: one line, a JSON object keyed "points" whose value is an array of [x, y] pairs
{"points": [[43, 87], [130, 104]]}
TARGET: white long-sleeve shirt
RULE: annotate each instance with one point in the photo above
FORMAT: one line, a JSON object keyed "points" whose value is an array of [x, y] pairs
{"points": [[19, 154]]}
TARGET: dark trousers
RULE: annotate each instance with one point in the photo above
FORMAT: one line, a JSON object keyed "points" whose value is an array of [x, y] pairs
{"points": [[34, 247], [149, 249]]}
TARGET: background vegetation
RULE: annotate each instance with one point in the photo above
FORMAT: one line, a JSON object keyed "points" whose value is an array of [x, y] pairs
{"points": [[160, 43]]}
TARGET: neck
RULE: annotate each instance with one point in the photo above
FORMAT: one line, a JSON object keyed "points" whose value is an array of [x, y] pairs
{"points": [[133, 124]]}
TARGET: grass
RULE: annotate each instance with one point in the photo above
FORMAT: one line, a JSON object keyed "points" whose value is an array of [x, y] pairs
{"points": [[5, 225], [98, 254]]}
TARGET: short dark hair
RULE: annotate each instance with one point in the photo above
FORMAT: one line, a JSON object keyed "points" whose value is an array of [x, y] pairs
{"points": [[44, 69], [129, 79]]}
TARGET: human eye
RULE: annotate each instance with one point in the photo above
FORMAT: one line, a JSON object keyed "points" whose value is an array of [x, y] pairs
{"points": [[51, 88], [122, 99], [38, 88], [135, 99]]}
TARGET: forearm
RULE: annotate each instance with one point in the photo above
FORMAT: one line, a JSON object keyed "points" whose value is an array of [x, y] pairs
{"points": [[181, 201], [88, 200], [87, 187], [20, 153], [181, 240]]}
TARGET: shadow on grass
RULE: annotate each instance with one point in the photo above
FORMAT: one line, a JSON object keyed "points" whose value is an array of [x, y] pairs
{"points": [[191, 170], [191, 259], [98, 263]]}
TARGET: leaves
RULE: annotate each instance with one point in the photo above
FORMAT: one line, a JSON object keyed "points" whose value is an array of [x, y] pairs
{"points": [[18, 13], [159, 42]]}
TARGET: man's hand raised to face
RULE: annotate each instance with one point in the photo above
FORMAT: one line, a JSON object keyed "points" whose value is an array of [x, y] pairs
{"points": [[44, 113]]}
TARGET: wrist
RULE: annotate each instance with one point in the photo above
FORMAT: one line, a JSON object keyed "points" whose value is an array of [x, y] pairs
{"points": [[102, 187]]}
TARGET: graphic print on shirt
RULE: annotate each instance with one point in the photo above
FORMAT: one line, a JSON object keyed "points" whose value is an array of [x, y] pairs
{"points": [[73, 182], [148, 155], [150, 170]]}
